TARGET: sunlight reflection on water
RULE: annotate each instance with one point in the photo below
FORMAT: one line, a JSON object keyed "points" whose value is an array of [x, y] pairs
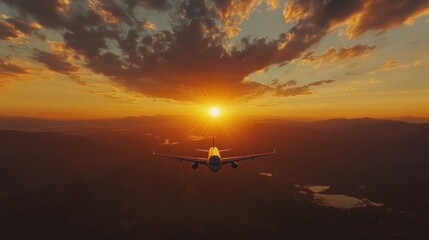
{"points": [[338, 200]]}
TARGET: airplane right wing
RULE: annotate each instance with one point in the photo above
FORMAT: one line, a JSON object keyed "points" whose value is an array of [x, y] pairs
{"points": [[184, 158], [246, 157]]}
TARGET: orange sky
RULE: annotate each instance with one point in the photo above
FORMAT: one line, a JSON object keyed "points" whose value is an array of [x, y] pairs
{"points": [[292, 58]]}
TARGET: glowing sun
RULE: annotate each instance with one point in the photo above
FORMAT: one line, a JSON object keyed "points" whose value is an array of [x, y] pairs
{"points": [[214, 111]]}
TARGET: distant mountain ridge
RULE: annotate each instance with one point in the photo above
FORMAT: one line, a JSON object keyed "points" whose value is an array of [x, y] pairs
{"points": [[38, 124]]}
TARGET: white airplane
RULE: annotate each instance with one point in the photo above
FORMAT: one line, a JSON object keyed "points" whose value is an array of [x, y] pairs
{"points": [[214, 161]]}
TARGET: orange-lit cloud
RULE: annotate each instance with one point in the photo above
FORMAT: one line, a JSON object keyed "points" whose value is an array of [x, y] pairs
{"points": [[11, 28], [12, 70], [9, 67], [149, 25], [233, 13], [384, 14], [392, 64], [296, 10], [98, 7], [8, 31], [360, 15]]}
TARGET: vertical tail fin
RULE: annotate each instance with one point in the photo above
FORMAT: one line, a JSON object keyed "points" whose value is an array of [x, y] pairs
{"points": [[213, 140]]}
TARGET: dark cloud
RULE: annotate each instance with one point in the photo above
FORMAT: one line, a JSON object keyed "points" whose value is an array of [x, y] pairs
{"points": [[11, 28], [8, 31], [55, 62], [381, 15], [314, 21], [88, 41], [10, 68], [362, 15], [60, 63], [49, 13], [23, 26], [193, 61], [161, 5]]}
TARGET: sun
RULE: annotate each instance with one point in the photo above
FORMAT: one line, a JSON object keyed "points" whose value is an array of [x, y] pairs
{"points": [[214, 111]]}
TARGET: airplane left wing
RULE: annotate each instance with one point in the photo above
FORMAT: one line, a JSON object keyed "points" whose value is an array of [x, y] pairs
{"points": [[183, 158], [246, 157]]}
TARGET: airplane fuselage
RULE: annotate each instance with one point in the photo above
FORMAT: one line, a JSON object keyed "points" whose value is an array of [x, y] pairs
{"points": [[214, 162]]}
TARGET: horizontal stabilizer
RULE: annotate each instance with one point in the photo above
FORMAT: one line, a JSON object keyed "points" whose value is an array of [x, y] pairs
{"points": [[225, 150], [246, 157]]}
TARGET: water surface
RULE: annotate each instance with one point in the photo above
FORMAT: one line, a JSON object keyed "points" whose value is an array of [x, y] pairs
{"points": [[338, 200]]}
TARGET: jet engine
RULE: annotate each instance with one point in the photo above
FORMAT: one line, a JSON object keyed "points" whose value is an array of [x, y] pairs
{"points": [[194, 165], [234, 165]]}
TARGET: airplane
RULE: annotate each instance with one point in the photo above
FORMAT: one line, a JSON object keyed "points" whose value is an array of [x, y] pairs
{"points": [[214, 161]]}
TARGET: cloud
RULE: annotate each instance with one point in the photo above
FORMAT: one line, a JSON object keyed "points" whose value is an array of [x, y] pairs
{"points": [[296, 10], [55, 62], [393, 64], [179, 64], [194, 60], [233, 13], [333, 55], [48, 13], [103, 11], [289, 89], [149, 25], [12, 28], [161, 5], [394, 13], [59, 63], [23, 26], [321, 13], [361, 15], [386, 65], [8, 31], [11, 68]]}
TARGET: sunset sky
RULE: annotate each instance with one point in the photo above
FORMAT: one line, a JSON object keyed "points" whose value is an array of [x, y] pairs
{"points": [[290, 58]]}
